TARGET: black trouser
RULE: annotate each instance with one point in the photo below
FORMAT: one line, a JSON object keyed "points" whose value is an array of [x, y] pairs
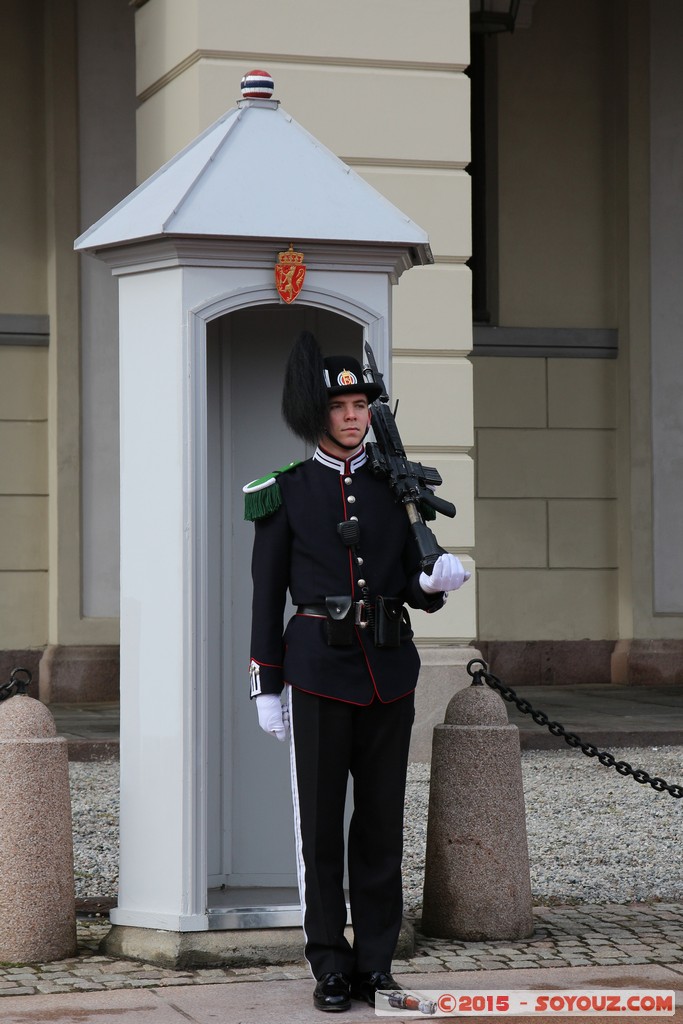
{"points": [[329, 740]]}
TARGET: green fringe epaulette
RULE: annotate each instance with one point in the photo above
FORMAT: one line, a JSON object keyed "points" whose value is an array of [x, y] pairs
{"points": [[262, 497]]}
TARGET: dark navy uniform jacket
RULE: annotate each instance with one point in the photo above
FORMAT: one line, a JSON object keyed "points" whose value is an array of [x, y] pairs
{"points": [[297, 547]]}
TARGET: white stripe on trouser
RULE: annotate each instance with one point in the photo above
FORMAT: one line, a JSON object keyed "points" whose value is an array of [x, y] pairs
{"points": [[298, 843]]}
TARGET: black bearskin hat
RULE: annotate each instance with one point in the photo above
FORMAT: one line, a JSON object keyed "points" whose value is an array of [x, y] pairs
{"points": [[310, 380]]}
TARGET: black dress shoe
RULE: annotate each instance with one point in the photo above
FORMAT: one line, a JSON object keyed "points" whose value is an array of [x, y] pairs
{"points": [[366, 985], [332, 993]]}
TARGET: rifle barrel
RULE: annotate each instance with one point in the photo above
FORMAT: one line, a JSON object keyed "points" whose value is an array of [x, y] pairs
{"points": [[408, 480]]}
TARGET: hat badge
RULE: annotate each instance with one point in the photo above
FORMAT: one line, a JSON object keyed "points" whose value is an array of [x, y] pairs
{"points": [[346, 378]]}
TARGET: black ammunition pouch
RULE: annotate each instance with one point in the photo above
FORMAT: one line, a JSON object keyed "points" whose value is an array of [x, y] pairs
{"points": [[385, 616], [339, 621], [388, 618]]}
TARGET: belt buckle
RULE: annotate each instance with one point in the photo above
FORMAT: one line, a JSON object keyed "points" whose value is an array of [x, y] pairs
{"points": [[360, 609]]}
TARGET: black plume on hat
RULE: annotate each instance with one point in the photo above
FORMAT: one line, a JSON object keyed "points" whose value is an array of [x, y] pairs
{"points": [[304, 395]]}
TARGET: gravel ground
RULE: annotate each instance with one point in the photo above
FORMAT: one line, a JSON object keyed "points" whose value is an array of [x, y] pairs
{"points": [[95, 814], [594, 836]]}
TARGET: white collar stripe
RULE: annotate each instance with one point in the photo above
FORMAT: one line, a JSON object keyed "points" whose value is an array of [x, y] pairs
{"points": [[358, 460], [328, 460]]}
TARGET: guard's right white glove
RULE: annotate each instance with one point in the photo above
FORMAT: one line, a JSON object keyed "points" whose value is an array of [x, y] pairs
{"points": [[447, 574], [272, 716]]}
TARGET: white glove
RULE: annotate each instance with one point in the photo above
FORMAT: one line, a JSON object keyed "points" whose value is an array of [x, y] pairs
{"points": [[272, 716], [447, 574]]}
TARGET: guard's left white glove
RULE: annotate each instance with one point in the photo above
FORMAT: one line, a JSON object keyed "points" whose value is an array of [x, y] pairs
{"points": [[448, 574], [272, 716]]}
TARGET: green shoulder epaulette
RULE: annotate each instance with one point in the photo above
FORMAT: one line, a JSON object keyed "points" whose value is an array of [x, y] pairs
{"points": [[262, 497]]}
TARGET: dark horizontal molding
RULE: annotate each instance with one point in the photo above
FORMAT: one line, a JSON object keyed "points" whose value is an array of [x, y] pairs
{"points": [[546, 342], [24, 329]]}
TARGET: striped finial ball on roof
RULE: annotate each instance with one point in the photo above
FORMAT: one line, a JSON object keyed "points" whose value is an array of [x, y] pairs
{"points": [[257, 85]]}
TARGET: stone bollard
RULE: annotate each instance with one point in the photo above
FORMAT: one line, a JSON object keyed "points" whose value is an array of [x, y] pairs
{"points": [[37, 903], [477, 885]]}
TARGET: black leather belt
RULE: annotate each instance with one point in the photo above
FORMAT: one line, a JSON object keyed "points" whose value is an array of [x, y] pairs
{"points": [[385, 616], [360, 613], [320, 609]]}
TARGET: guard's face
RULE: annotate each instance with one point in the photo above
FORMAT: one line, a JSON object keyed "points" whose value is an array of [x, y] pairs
{"points": [[348, 418]]}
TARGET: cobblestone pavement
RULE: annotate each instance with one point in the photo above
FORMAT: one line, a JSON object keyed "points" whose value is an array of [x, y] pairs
{"points": [[576, 936]]}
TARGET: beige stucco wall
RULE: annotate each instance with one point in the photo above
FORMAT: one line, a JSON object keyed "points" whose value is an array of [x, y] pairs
{"points": [[556, 157], [563, 479], [564, 447], [66, 623], [23, 497], [23, 370], [573, 123], [40, 427], [546, 511], [376, 83], [22, 167]]}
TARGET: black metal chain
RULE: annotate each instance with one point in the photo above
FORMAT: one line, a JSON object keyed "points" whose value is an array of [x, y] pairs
{"points": [[15, 684], [589, 749]]}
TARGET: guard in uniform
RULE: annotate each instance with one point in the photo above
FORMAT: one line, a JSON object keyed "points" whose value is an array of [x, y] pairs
{"points": [[330, 532]]}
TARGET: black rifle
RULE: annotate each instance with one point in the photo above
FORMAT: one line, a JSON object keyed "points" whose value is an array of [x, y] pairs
{"points": [[411, 482]]}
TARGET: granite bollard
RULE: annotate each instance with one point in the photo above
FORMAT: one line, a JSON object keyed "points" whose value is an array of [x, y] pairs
{"points": [[477, 885], [37, 902]]}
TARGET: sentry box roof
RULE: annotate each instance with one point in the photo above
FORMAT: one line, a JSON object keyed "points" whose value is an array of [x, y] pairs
{"points": [[257, 174]]}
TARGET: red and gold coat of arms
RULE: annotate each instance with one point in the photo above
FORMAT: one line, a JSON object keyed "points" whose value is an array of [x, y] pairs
{"points": [[290, 272]]}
